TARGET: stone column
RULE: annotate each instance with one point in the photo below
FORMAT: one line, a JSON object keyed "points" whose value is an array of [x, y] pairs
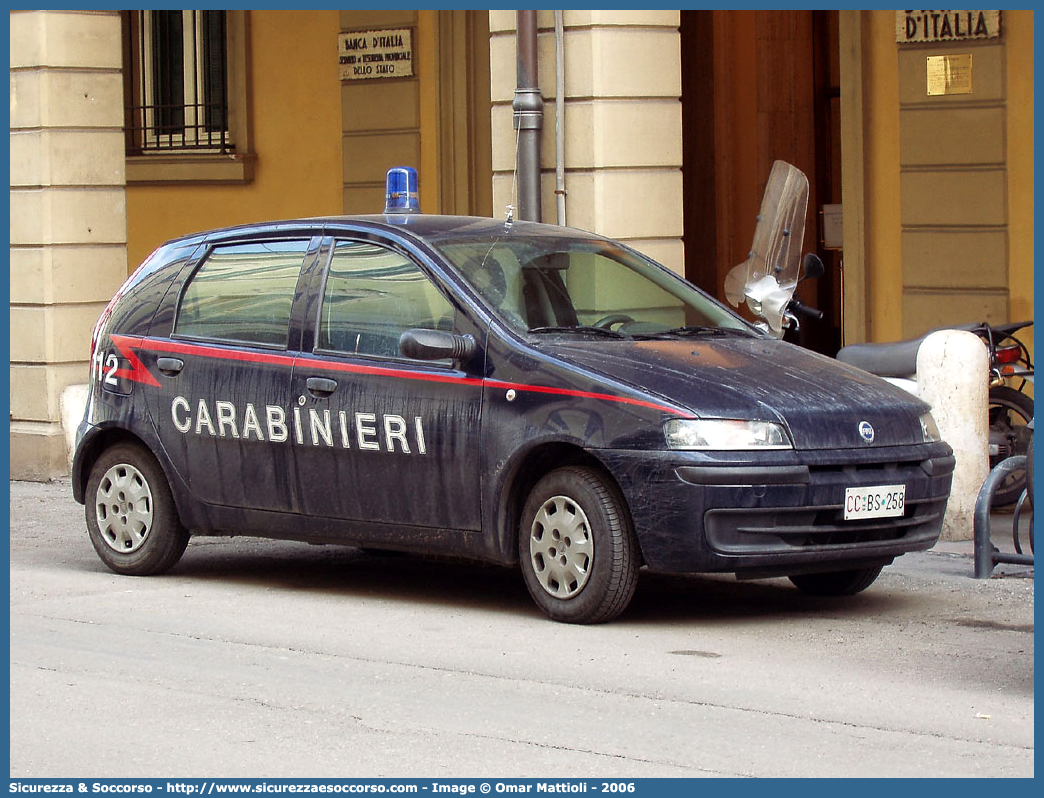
{"points": [[68, 216], [623, 128], [953, 377]]}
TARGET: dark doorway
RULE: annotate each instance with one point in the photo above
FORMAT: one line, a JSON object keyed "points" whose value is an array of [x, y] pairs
{"points": [[758, 86]]}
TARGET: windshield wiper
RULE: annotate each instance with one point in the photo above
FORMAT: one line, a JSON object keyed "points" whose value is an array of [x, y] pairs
{"points": [[582, 329], [683, 332]]}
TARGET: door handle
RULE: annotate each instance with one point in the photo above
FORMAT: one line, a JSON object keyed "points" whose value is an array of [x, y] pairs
{"points": [[321, 385], [170, 365]]}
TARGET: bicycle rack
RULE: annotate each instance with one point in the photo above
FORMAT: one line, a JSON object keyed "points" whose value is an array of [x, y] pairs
{"points": [[987, 556]]}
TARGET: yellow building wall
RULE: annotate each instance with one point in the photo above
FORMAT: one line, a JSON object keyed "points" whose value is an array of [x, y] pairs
{"points": [[296, 120], [884, 252], [1019, 33], [882, 143]]}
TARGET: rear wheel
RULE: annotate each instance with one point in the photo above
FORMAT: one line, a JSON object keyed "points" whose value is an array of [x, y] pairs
{"points": [[1009, 412], [131, 518], [836, 583], [1029, 471], [577, 547]]}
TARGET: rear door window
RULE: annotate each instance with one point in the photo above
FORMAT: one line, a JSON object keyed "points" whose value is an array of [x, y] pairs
{"points": [[243, 293]]}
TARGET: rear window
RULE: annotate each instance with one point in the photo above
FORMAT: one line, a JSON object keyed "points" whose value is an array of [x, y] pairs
{"points": [[243, 293]]}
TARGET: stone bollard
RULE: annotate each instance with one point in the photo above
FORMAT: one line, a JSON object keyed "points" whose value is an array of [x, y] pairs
{"points": [[72, 404], [953, 377]]}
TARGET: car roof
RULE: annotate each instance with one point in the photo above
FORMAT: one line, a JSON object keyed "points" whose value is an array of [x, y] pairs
{"points": [[417, 226]]}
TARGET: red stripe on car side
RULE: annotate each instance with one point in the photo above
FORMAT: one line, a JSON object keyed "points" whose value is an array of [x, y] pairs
{"points": [[182, 348], [588, 395], [328, 365], [141, 374], [138, 372]]}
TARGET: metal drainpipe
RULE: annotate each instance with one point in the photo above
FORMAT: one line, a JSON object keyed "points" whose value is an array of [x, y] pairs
{"points": [[528, 106], [560, 189]]}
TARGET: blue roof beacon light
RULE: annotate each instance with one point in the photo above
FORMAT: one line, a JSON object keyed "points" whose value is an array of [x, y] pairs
{"points": [[401, 191]]}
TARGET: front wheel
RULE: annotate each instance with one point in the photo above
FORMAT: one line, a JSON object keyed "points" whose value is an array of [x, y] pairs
{"points": [[836, 583], [577, 547], [131, 518]]}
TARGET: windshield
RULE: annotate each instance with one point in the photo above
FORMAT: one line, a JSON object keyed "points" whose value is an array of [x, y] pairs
{"points": [[559, 284]]}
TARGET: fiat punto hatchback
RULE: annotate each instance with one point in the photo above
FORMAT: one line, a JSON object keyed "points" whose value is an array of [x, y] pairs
{"points": [[516, 393]]}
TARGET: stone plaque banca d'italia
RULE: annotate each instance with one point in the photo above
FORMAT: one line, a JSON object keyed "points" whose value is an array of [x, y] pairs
{"points": [[367, 54]]}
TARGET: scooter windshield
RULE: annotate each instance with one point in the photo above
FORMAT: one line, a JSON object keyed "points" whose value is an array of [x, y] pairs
{"points": [[770, 274]]}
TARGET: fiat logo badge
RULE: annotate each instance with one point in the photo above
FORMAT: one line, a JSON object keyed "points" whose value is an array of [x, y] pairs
{"points": [[866, 431]]}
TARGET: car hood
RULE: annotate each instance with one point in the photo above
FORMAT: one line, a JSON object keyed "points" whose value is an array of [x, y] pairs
{"points": [[821, 402]]}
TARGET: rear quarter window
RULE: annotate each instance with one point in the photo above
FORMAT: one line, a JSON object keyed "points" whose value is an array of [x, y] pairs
{"points": [[242, 293]]}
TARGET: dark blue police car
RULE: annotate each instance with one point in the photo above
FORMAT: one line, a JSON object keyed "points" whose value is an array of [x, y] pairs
{"points": [[510, 392]]}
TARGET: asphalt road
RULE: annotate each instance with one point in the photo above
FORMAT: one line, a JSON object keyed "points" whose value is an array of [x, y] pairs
{"points": [[262, 659]]}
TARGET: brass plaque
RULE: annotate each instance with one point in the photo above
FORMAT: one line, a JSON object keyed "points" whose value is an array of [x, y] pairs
{"points": [[949, 74]]}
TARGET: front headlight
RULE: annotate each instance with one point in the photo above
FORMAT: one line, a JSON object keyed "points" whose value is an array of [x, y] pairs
{"points": [[725, 434], [929, 429]]}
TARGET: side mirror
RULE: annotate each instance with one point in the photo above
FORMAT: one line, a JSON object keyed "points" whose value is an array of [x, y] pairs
{"points": [[421, 344], [812, 266]]}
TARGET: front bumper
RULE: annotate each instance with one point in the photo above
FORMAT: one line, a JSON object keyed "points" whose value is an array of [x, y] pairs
{"points": [[778, 513]]}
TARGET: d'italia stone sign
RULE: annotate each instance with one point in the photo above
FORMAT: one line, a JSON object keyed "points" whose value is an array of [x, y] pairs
{"points": [[945, 26], [375, 54]]}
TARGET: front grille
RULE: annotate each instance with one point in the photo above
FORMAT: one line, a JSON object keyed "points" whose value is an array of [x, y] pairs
{"points": [[818, 528]]}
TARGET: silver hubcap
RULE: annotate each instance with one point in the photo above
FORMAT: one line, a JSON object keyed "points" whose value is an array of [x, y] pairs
{"points": [[124, 508], [561, 547]]}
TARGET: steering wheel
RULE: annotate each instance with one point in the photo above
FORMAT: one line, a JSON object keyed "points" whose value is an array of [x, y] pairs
{"points": [[613, 318]]}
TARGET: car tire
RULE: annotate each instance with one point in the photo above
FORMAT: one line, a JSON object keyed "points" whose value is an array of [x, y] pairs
{"points": [[577, 548], [1009, 410], [131, 518], [836, 583]]}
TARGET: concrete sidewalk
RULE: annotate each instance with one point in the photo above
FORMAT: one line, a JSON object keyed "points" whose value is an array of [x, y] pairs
{"points": [[1002, 535]]}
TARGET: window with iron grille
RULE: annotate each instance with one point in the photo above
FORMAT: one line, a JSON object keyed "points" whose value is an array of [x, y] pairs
{"points": [[178, 82]]}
